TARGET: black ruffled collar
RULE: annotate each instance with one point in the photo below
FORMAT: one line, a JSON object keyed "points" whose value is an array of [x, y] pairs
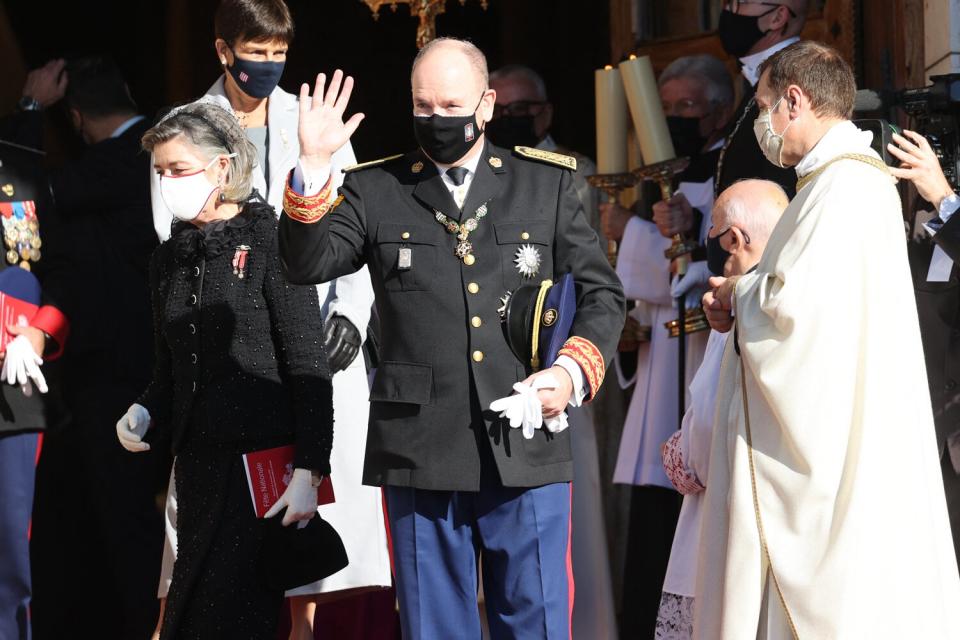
{"points": [[191, 242]]}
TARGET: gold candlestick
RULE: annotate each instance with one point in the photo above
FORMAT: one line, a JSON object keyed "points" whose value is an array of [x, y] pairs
{"points": [[679, 252], [612, 184]]}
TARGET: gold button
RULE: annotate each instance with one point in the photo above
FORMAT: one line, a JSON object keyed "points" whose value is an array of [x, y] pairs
{"points": [[473, 287], [405, 235], [469, 259], [476, 321], [524, 236], [477, 356]]}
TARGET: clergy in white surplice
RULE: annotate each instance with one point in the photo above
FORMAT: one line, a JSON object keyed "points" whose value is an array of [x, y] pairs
{"points": [[824, 512]]}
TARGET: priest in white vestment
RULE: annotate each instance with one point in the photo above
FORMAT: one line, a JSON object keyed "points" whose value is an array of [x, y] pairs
{"points": [[742, 219], [824, 513]]}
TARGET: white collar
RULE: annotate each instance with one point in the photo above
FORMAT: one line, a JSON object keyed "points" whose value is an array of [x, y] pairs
{"points": [[752, 62], [843, 137], [119, 131]]}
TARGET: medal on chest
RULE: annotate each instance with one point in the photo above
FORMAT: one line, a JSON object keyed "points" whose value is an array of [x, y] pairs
{"points": [[21, 233], [240, 261], [527, 260], [462, 230]]}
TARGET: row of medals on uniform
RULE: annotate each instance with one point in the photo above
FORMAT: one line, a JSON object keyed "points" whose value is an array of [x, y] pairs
{"points": [[22, 239]]}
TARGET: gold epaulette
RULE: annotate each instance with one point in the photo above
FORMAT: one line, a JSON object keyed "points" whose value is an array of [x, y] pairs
{"points": [[557, 159], [372, 163]]}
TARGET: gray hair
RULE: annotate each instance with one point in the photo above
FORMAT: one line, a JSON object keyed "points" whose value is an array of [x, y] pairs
{"points": [[524, 72], [758, 215], [477, 60], [213, 131], [716, 80]]}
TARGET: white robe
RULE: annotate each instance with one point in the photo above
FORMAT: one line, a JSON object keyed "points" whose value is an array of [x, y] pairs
{"points": [[847, 472], [357, 514], [653, 414]]}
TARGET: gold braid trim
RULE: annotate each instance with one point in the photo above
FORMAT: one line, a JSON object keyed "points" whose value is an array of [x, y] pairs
{"points": [[309, 209], [586, 354], [537, 310], [859, 157]]}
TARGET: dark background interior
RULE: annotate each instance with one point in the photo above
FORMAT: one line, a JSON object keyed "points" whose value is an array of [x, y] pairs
{"points": [[165, 50]]}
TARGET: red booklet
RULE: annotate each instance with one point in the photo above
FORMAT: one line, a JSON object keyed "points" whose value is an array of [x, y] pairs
{"points": [[269, 471], [13, 311]]}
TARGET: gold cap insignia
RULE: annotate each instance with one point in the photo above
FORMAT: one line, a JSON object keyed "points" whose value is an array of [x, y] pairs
{"points": [[550, 317], [495, 162], [8, 189], [417, 167]]}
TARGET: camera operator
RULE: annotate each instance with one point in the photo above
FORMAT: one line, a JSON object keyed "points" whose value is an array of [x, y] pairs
{"points": [[937, 287]]}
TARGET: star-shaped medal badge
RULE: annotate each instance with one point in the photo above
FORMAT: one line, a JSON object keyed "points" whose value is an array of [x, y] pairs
{"points": [[527, 260]]}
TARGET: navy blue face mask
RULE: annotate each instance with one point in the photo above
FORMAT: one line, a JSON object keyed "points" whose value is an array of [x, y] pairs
{"points": [[256, 78]]}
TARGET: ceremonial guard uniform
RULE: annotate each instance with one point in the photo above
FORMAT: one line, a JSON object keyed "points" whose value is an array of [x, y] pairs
{"points": [[23, 415], [445, 359]]}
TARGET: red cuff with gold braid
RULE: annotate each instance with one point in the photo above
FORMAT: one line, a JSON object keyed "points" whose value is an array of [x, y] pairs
{"points": [[309, 209], [53, 323], [586, 354]]}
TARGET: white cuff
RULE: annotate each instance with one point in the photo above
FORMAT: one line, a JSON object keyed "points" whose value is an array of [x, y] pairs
{"points": [[309, 184], [949, 206], [571, 367]]}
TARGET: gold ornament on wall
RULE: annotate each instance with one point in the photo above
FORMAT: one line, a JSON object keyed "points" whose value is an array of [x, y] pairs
{"points": [[426, 10]]}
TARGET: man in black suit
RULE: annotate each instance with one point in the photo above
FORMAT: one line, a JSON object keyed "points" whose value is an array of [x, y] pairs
{"points": [[104, 238], [446, 231], [933, 258], [752, 32]]}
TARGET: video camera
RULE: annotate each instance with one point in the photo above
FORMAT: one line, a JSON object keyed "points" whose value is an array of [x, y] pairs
{"points": [[936, 113]]}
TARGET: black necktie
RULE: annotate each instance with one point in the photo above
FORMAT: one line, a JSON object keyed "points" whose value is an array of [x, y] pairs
{"points": [[458, 175]]}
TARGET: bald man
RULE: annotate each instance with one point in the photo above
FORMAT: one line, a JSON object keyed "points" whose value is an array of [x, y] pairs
{"points": [[446, 231], [742, 218], [752, 32]]}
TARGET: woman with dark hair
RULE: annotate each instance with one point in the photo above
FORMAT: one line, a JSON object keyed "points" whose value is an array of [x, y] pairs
{"points": [[251, 41], [237, 370]]}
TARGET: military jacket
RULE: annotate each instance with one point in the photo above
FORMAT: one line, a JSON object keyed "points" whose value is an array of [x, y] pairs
{"points": [[444, 356]]}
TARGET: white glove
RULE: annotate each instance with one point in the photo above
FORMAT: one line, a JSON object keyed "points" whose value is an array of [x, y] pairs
{"points": [[696, 279], [553, 425], [22, 364], [510, 407], [300, 499], [132, 427], [523, 409]]}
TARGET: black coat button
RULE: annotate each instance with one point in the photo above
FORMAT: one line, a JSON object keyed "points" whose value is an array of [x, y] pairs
{"points": [[196, 272], [193, 299], [193, 329], [193, 358], [950, 385]]}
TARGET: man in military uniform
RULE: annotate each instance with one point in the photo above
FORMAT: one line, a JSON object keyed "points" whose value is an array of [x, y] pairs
{"points": [[446, 231], [26, 409]]}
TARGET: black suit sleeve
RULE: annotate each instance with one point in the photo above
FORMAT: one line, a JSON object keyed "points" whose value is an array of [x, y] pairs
{"points": [[327, 249], [297, 329], [601, 308], [158, 397]]}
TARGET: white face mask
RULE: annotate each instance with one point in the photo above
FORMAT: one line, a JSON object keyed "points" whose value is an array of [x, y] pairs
{"points": [[771, 142], [186, 195]]}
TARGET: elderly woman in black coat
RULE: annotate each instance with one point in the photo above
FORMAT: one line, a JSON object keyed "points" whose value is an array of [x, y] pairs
{"points": [[240, 367]]}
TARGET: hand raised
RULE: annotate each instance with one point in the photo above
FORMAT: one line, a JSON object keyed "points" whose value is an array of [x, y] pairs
{"points": [[322, 130]]}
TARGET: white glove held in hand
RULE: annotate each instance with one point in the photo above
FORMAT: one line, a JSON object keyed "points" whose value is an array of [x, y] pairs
{"points": [[300, 499], [22, 364], [523, 409], [132, 427], [696, 279]]}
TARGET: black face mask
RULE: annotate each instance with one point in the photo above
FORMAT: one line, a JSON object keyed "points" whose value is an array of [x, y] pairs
{"points": [[446, 139], [685, 135], [739, 33], [512, 131], [716, 255], [256, 78]]}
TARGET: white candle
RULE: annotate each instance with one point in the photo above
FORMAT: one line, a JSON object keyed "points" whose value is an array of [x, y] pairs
{"points": [[611, 121], [646, 110]]}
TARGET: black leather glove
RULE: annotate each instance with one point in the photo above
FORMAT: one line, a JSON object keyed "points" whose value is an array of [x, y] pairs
{"points": [[342, 341]]}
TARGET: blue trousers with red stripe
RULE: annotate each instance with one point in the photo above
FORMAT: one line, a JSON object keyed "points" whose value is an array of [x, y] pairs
{"points": [[18, 459], [522, 539]]}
